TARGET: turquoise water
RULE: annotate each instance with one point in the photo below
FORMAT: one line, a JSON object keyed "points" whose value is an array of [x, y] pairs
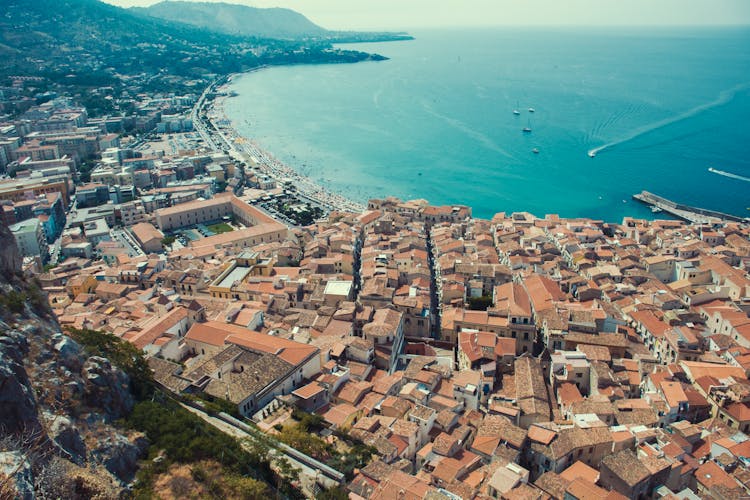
{"points": [[435, 121]]}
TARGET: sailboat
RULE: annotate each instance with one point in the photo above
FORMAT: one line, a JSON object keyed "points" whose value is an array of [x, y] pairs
{"points": [[527, 128]]}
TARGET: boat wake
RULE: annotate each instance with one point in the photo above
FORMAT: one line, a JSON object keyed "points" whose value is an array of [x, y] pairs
{"points": [[724, 97], [729, 174], [468, 131]]}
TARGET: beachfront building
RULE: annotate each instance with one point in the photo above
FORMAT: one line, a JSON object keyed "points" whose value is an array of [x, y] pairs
{"points": [[30, 238], [206, 211]]}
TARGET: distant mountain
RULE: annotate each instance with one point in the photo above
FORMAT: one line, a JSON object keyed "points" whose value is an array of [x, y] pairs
{"points": [[234, 19], [237, 19], [90, 43]]}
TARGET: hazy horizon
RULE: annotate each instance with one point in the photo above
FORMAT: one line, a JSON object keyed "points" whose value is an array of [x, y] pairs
{"points": [[409, 14]]}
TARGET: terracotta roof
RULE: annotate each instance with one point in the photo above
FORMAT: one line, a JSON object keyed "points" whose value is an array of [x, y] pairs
{"points": [[568, 393], [711, 475], [740, 411], [580, 470], [149, 335], [627, 467], [338, 414], [650, 322], [697, 369], [543, 292], [309, 390], [583, 489], [216, 333], [673, 393], [540, 434], [146, 232]]}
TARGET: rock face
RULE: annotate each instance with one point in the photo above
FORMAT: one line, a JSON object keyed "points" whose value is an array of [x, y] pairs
{"points": [[66, 436], [107, 387], [18, 408], [56, 402], [120, 455]]}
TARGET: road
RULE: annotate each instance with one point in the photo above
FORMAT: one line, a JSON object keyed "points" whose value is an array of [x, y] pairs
{"points": [[307, 190]]}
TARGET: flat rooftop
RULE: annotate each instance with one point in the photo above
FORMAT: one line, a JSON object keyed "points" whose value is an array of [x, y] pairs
{"points": [[238, 274], [338, 288]]}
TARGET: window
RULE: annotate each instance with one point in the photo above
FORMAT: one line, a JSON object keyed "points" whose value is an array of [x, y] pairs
{"points": [[579, 375]]}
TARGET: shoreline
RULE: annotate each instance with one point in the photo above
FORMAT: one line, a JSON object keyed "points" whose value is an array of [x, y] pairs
{"points": [[266, 162]]}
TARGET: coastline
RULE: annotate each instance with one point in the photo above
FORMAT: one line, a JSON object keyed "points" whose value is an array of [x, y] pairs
{"points": [[367, 131], [266, 162]]}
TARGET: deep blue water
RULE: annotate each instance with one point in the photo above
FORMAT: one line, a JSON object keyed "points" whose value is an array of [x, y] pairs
{"points": [[435, 121]]}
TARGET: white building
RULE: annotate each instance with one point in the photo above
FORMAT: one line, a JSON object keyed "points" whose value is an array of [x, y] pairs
{"points": [[30, 238]]}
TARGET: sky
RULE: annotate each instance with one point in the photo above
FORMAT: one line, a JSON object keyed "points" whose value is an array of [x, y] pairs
{"points": [[409, 14]]}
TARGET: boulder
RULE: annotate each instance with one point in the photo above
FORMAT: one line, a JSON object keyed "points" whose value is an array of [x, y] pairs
{"points": [[66, 436], [68, 350], [119, 455], [107, 388]]}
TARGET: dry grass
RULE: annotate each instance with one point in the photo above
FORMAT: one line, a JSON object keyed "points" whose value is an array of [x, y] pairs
{"points": [[206, 479]]}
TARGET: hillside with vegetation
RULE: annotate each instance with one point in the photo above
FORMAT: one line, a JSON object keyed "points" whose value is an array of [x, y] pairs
{"points": [[244, 20], [235, 19], [87, 43]]}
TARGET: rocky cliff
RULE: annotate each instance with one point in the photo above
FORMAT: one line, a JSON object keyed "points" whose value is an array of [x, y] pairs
{"points": [[57, 404]]}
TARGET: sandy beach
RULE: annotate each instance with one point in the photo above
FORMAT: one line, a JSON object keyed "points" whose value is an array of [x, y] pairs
{"points": [[270, 165]]}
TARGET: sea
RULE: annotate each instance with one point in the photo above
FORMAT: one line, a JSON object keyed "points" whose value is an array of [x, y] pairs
{"points": [[657, 107]]}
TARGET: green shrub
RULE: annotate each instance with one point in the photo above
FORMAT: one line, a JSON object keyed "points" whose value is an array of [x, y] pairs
{"points": [[13, 301], [120, 353]]}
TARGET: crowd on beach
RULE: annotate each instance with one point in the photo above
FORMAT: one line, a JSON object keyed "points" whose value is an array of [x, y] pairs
{"points": [[273, 167]]}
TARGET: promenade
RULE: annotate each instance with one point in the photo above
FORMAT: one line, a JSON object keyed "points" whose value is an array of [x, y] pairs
{"points": [[222, 137]]}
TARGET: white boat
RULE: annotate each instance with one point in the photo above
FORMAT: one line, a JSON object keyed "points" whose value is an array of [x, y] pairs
{"points": [[656, 210], [526, 130], [531, 110], [516, 112], [592, 153], [535, 151]]}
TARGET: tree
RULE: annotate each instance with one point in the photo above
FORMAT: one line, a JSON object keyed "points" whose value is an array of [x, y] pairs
{"points": [[480, 303], [337, 493], [287, 475]]}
